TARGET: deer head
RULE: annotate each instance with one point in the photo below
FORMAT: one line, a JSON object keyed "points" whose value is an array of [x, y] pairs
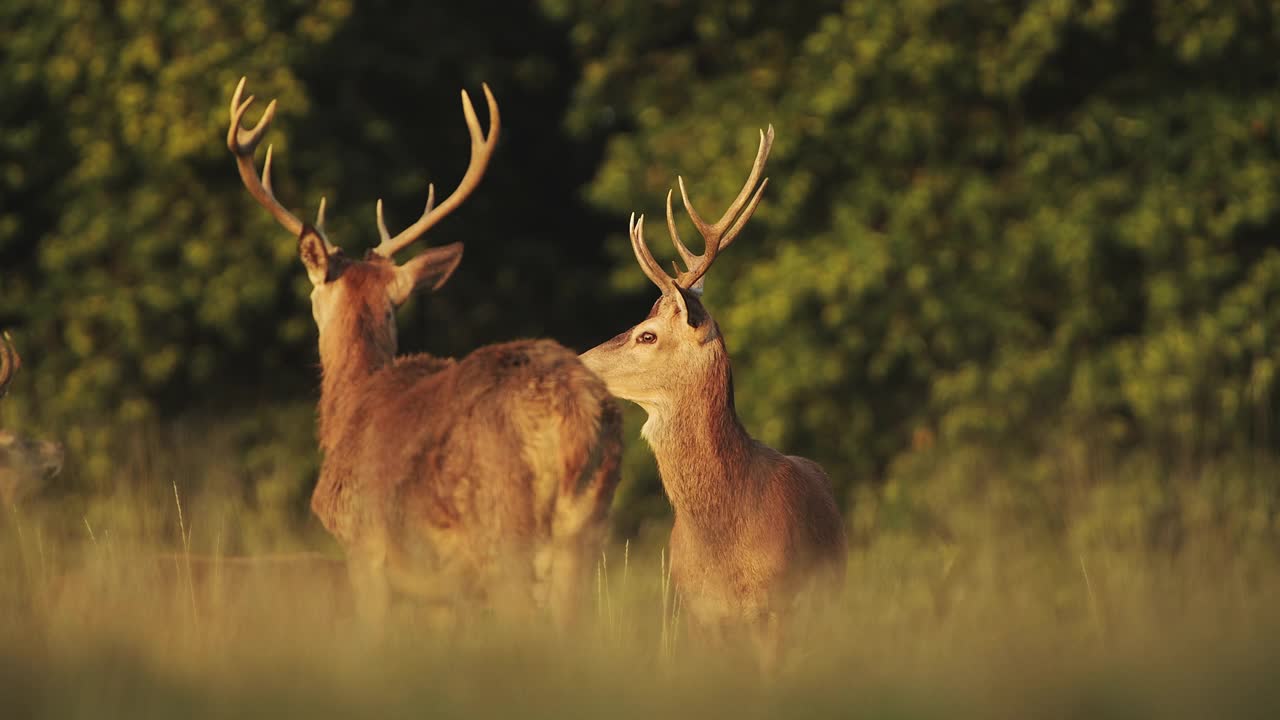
{"points": [[25, 463], [361, 294], [672, 351]]}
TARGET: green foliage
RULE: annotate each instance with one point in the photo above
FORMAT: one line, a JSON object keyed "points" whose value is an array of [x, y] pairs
{"points": [[986, 222], [993, 224], [143, 282], [1017, 262], [142, 279]]}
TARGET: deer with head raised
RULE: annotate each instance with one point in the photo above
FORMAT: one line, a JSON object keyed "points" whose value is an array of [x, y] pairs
{"points": [[754, 529], [25, 464], [481, 480]]}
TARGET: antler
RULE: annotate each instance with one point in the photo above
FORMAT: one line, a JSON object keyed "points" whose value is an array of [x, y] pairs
{"points": [[243, 142], [9, 362], [717, 237], [725, 230], [651, 268], [482, 147]]}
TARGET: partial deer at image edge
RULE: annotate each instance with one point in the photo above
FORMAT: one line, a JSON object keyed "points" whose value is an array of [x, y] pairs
{"points": [[26, 464]]}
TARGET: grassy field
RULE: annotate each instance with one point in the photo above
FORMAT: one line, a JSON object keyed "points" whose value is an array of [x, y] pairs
{"points": [[135, 608]]}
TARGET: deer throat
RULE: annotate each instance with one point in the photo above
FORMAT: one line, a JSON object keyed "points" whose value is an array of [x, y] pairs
{"points": [[346, 363], [704, 458]]}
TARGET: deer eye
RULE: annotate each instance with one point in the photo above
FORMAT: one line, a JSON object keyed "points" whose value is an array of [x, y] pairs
{"points": [[647, 338]]}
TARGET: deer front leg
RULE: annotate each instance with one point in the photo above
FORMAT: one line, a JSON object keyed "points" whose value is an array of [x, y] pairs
{"points": [[571, 559], [766, 636], [370, 589]]}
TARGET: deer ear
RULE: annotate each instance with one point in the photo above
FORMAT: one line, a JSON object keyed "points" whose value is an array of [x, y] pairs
{"points": [[695, 315], [314, 253], [430, 269], [691, 305], [682, 304]]}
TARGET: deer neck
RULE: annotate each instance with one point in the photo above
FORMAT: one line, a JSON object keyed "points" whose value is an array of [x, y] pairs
{"points": [[349, 354], [704, 454]]}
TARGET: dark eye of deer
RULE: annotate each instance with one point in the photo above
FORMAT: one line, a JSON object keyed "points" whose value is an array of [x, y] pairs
{"points": [[647, 338]]}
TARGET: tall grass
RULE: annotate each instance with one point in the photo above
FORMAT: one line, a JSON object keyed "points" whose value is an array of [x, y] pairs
{"points": [[128, 605]]}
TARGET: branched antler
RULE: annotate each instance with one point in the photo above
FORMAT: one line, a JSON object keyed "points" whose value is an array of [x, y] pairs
{"points": [[242, 142], [717, 236], [482, 147], [650, 266]]}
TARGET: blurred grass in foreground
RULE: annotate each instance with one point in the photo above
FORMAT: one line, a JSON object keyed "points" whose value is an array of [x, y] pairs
{"points": [[966, 598]]}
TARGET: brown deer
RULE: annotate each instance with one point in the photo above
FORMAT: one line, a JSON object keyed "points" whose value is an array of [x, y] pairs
{"points": [[481, 480], [26, 465], [754, 530]]}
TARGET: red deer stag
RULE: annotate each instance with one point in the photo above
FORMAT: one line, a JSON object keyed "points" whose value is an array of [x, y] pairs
{"points": [[482, 480], [755, 530], [25, 464]]}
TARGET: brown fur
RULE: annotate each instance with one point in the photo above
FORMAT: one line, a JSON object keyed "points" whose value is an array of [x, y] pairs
{"points": [[480, 480], [755, 531], [25, 464]]}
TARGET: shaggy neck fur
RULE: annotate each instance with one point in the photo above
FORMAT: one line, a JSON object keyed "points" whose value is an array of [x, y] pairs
{"points": [[352, 347], [703, 451]]}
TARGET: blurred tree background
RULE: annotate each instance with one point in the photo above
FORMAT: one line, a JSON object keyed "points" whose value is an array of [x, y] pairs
{"points": [[1032, 241]]}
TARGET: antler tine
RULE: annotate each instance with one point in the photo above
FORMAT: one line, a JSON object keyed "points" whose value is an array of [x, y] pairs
{"points": [[727, 239], [320, 219], [724, 231], [242, 142], [9, 362], [650, 266], [482, 147], [382, 223], [697, 265], [685, 254], [383, 235]]}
